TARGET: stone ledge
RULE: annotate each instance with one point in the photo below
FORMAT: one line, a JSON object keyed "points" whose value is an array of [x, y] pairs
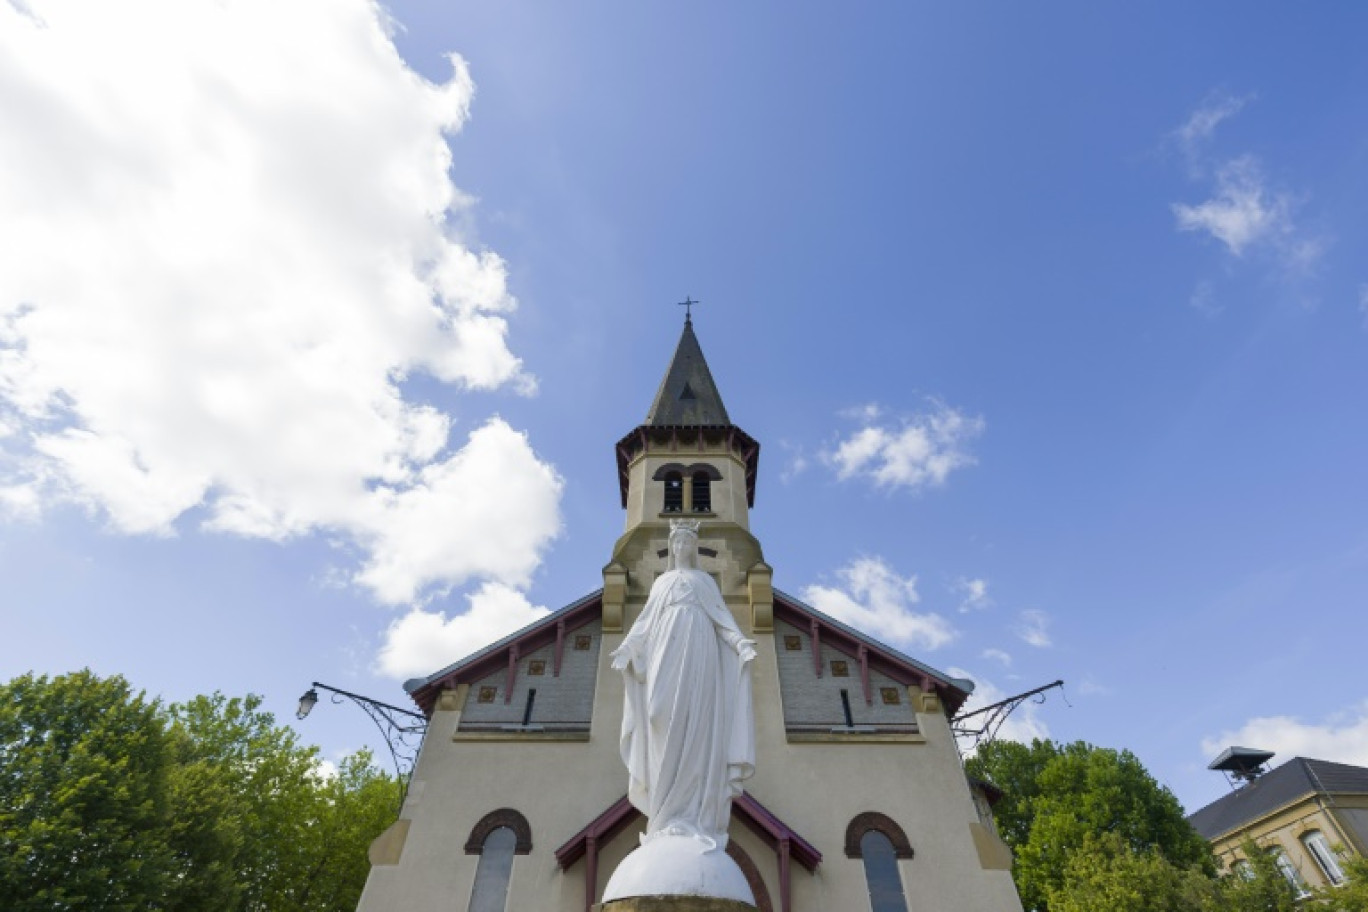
{"points": [[673, 904]]}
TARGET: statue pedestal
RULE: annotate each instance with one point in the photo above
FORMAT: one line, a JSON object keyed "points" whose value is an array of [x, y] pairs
{"points": [[677, 874], [674, 904]]}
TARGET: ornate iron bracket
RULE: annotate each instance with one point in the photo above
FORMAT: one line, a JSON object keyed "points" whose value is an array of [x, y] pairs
{"points": [[402, 729], [989, 719]]}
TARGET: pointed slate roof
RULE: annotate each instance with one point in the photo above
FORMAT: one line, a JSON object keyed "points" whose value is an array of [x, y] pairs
{"points": [[687, 396]]}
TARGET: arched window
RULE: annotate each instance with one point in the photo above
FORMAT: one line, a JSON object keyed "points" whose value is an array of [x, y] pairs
{"points": [[702, 493], [880, 842], [496, 839], [674, 492], [1319, 849], [1289, 870]]}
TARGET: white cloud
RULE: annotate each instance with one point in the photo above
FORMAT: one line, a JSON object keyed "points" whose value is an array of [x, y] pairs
{"points": [[1024, 724], [1033, 628], [973, 594], [920, 451], [1342, 738], [998, 655], [234, 253], [874, 599], [1242, 211], [1193, 136], [422, 642]]}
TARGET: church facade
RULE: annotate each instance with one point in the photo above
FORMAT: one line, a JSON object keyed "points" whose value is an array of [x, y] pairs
{"points": [[859, 801]]}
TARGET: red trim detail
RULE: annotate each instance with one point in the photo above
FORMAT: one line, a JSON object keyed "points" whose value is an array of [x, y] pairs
{"points": [[864, 674], [788, 845], [533, 637], [816, 630], [512, 673], [877, 656], [560, 646]]}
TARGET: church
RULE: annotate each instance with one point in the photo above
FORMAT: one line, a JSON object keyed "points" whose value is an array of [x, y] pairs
{"points": [[518, 800]]}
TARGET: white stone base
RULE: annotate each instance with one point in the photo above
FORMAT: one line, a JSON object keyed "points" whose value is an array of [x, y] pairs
{"points": [[678, 866]]}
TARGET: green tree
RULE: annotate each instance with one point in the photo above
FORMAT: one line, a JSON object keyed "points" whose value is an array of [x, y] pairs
{"points": [[1261, 887], [1067, 797], [1351, 896], [109, 801], [1110, 875], [286, 836], [84, 763]]}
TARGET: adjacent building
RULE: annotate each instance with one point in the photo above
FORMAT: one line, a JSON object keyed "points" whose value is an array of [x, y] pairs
{"points": [[859, 802], [1309, 814]]}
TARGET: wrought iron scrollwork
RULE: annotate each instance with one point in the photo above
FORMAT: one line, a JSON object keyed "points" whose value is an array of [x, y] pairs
{"points": [[402, 729], [986, 721]]}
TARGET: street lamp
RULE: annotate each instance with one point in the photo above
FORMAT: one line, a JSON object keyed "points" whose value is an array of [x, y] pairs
{"points": [[397, 725], [307, 703]]}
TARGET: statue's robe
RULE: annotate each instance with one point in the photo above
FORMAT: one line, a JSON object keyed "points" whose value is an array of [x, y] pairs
{"points": [[688, 729]]}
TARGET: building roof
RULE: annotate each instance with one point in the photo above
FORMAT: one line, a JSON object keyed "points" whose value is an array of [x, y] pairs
{"points": [[553, 628], [1295, 779], [687, 397]]}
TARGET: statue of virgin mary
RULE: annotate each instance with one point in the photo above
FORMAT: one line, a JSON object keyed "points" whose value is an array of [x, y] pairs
{"points": [[688, 730]]}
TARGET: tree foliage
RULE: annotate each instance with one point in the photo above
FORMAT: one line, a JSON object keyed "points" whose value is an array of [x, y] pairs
{"points": [[1062, 799], [110, 801]]}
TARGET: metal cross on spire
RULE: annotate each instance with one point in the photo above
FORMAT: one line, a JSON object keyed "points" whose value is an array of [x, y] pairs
{"points": [[688, 304]]}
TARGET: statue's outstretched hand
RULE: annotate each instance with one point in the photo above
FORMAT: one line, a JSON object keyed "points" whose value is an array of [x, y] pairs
{"points": [[621, 659], [746, 650]]}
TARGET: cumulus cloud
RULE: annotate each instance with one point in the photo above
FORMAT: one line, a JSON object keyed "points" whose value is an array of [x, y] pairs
{"points": [[233, 256], [1024, 724], [1033, 628], [919, 451], [998, 655], [1241, 212], [973, 594], [422, 642], [1244, 211], [874, 599], [1342, 738]]}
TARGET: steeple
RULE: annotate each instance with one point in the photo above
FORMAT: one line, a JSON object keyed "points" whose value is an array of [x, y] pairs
{"points": [[687, 396], [687, 460]]}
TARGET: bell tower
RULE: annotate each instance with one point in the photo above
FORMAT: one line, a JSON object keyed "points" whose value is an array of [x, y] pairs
{"points": [[687, 460]]}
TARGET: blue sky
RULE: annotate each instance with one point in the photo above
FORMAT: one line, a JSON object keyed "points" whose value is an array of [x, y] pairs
{"points": [[1052, 321]]}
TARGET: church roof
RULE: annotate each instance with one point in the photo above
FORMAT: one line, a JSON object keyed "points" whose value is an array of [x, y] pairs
{"points": [[550, 629], [687, 397], [882, 657], [553, 628], [1295, 779]]}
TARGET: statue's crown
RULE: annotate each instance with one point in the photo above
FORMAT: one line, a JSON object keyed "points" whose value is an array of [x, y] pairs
{"points": [[685, 527]]}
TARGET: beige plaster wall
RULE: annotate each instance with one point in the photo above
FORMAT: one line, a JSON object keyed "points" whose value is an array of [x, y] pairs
{"points": [[1285, 827], [815, 787]]}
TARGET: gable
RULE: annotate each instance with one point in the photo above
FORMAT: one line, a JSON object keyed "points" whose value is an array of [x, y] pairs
{"points": [[872, 657], [507, 666]]}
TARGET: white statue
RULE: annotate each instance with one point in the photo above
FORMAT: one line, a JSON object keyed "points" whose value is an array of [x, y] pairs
{"points": [[688, 730]]}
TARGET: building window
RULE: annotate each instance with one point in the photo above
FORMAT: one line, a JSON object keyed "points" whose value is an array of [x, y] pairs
{"points": [[496, 839], [793, 642], [1320, 850], [674, 493], [892, 696], [1243, 870], [490, 892], [487, 694], [702, 493], [1290, 871], [880, 842]]}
